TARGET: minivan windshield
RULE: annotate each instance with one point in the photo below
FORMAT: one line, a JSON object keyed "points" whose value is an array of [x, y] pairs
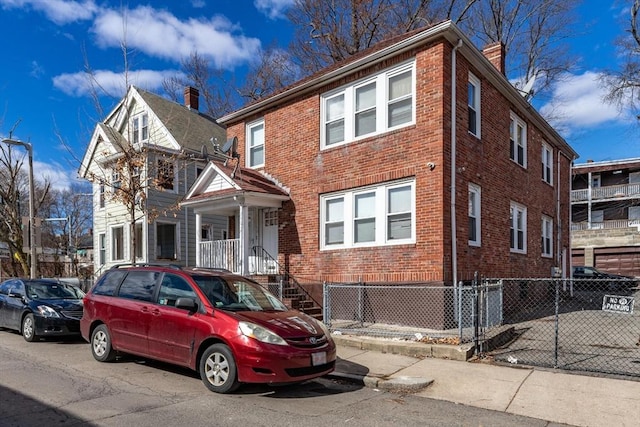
{"points": [[236, 294]]}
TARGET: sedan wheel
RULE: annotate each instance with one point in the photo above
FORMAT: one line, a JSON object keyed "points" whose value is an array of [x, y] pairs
{"points": [[218, 369], [29, 328], [101, 344]]}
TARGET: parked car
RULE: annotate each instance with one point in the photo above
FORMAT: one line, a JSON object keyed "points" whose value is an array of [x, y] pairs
{"points": [[226, 327], [40, 308], [590, 278]]}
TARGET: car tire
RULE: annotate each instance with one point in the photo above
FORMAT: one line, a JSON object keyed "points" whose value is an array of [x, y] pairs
{"points": [[101, 344], [29, 328], [218, 369]]}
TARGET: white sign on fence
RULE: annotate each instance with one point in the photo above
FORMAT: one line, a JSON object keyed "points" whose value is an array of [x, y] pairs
{"points": [[617, 304]]}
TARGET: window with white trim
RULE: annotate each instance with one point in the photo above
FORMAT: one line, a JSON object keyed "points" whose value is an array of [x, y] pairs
{"points": [[115, 179], [102, 248], [138, 240], [518, 141], [371, 106], [140, 125], [371, 216], [101, 196], [547, 236], [474, 215], [166, 176], [473, 99], [518, 221], [547, 164], [117, 243], [255, 144]]}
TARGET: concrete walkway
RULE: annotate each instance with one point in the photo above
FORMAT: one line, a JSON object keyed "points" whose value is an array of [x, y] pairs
{"points": [[556, 396]]}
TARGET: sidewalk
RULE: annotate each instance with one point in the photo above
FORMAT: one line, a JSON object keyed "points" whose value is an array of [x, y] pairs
{"points": [[555, 396]]}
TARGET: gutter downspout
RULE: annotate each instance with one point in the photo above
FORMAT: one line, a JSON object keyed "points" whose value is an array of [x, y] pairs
{"points": [[454, 246]]}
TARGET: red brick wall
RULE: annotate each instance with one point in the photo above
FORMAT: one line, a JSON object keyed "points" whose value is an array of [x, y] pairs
{"points": [[293, 156]]}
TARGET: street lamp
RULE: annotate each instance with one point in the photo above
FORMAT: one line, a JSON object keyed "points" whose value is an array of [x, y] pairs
{"points": [[32, 204]]}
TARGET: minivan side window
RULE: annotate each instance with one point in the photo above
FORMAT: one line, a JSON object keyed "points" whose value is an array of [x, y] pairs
{"points": [[109, 282], [139, 285], [173, 287]]}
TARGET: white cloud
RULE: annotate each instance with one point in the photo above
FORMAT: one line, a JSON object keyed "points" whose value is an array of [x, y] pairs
{"points": [[273, 8], [111, 83], [59, 11], [60, 177], [161, 34], [578, 103]]}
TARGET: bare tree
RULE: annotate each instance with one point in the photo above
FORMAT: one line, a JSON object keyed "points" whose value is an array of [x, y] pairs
{"points": [[623, 85]]}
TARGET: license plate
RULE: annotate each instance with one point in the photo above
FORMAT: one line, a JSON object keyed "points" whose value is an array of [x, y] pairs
{"points": [[318, 358]]}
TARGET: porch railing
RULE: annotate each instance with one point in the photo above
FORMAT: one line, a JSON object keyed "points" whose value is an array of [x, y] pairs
{"points": [[622, 191], [606, 225], [221, 254]]}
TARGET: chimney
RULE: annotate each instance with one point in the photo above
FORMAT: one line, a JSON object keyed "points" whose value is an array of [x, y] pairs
{"points": [[191, 95], [495, 53]]}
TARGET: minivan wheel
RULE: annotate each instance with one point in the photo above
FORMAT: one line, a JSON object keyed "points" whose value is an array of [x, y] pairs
{"points": [[218, 369], [101, 344], [29, 328]]}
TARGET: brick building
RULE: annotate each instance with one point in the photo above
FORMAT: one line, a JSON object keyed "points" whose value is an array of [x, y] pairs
{"points": [[384, 168]]}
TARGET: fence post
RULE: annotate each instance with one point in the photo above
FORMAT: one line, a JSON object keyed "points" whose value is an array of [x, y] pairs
{"points": [[360, 314], [557, 320], [476, 314], [459, 296], [281, 288], [326, 314]]}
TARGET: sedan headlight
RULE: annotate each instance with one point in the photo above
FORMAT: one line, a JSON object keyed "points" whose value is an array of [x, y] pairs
{"points": [[46, 311], [261, 334]]}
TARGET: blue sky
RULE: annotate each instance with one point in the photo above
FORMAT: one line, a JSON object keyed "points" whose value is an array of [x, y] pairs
{"points": [[48, 43]]}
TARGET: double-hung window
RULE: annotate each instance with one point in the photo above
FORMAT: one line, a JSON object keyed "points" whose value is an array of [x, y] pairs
{"points": [[547, 164], [166, 174], [474, 215], [518, 141], [473, 95], [518, 232], [369, 216], [140, 124], [547, 236], [101, 195], [371, 106], [255, 144], [117, 243]]}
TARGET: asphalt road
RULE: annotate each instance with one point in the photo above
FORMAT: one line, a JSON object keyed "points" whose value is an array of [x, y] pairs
{"points": [[57, 382]]}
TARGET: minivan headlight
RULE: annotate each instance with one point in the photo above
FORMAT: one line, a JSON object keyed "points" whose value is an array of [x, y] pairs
{"points": [[261, 334], [46, 311]]}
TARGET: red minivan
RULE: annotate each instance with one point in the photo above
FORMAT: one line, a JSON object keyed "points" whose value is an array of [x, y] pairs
{"points": [[226, 327]]}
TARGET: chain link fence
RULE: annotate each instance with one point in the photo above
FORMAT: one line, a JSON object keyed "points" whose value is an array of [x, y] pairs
{"points": [[585, 325]]}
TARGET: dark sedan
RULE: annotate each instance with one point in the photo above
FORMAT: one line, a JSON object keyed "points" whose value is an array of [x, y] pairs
{"points": [[40, 308], [590, 278]]}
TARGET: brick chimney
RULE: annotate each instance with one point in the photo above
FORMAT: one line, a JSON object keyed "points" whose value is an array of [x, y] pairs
{"points": [[191, 95], [495, 53]]}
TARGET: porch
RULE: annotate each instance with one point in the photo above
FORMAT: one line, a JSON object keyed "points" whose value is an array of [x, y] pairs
{"points": [[227, 254]]}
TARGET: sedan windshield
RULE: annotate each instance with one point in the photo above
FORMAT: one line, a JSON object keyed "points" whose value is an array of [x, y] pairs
{"points": [[42, 290], [236, 294]]}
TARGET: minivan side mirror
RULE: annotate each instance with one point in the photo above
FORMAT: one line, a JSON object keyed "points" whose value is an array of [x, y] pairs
{"points": [[188, 304]]}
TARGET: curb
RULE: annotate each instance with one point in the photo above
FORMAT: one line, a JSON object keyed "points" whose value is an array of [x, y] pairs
{"points": [[397, 384]]}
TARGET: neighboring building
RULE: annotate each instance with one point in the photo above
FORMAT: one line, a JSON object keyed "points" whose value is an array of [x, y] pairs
{"points": [[368, 171], [171, 136], [605, 218]]}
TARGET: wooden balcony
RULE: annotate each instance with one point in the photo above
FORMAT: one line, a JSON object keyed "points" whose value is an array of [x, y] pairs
{"points": [[611, 192], [604, 225]]}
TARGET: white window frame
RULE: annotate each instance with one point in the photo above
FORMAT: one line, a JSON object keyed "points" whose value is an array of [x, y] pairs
{"points": [[547, 164], [382, 216], [140, 247], [475, 214], [515, 142], [101, 196], [518, 211], [382, 105], [102, 248], [140, 128], [547, 236], [115, 246], [252, 145], [474, 105], [160, 163], [176, 248]]}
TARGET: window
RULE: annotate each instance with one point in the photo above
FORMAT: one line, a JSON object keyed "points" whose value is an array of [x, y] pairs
{"points": [[138, 242], [371, 216], [101, 196], [595, 180], [518, 141], [174, 287], [135, 177], [139, 285], [547, 237], [547, 164], [166, 174], [115, 179], [473, 96], [166, 241], [518, 228], [375, 105], [102, 245], [117, 243], [140, 124], [474, 215], [255, 144]]}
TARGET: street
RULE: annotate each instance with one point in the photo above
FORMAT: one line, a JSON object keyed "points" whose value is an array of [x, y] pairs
{"points": [[57, 382]]}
